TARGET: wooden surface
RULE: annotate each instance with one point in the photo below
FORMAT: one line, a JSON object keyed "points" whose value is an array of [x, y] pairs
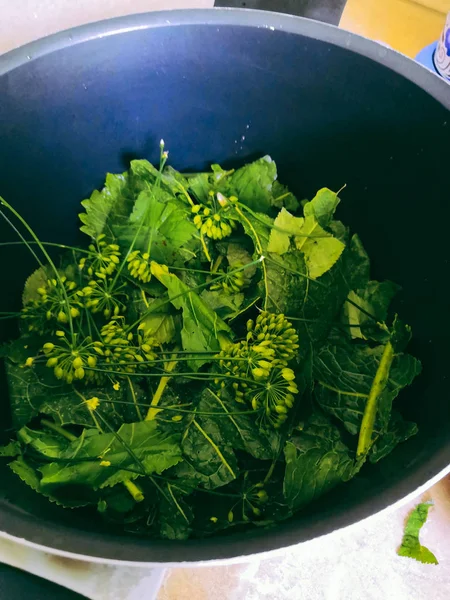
{"points": [[406, 25]]}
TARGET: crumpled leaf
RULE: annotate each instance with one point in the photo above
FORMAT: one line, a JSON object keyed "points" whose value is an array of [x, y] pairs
{"points": [[66, 408], [10, 450], [210, 458], [138, 446], [373, 300], [344, 373], [240, 430], [27, 392], [411, 546], [175, 515], [201, 325], [398, 431], [160, 322], [163, 222], [320, 248], [253, 184], [36, 280], [109, 206], [31, 478], [226, 306], [322, 207], [316, 461]]}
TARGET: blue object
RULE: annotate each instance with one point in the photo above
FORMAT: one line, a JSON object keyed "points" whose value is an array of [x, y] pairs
{"points": [[426, 57], [226, 86]]}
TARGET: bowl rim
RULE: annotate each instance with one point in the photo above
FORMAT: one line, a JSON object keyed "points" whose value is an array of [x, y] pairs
{"points": [[65, 541]]}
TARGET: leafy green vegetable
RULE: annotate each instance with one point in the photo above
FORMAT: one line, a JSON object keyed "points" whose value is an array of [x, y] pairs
{"points": [[344, 373], [365, 309], [107, 207], [201, 325], [316, 461], [411, 546], [104, 459], [210, 455], [216, 356]]}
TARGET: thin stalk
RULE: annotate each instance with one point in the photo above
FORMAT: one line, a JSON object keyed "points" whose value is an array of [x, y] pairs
{"points": [[152, 411], [370, 412], [134, 490], [259, 249], [57, 429], [135, 402], [187, 292], [48, 258]]}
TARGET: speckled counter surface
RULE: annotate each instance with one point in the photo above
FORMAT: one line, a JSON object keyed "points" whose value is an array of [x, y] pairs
{"points": [[357, 563]]}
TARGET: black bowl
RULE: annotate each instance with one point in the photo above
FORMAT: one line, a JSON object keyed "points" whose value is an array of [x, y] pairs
{"points": [[226, 86]]}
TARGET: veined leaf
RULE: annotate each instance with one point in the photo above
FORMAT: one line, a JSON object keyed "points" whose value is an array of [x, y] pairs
{"points": [[101, 459], [322, 207], [316, 461], [31, 478], [411, 546], [344, 374], [320, 248], [367, 307], [201, 325], [210, 456], [240, 430], [109, 206], [159, 224]]}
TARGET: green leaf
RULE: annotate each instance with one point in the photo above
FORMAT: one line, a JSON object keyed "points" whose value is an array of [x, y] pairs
{"points": [[159, 224], [283, 197], [201, 325], [398, 431], [46, 444], [320, 248], [253, 184], [36, 280], [210, 457], [411, 546], [344, 374], [160, 323], [66, 408], [316, 461], [225, 305], [107, 207], [373, 300], [27, 392], [175, 516], [31, 478], [138, 446], [322, 207], [284, 227], [240, 430], [10, 450]]}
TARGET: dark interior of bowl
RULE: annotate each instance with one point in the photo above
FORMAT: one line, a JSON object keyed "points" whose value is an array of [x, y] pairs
{"points": [[226, 91]]}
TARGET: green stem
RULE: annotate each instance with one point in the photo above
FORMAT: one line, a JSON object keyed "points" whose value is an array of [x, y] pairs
{"points": [[134, 490], [216, 448], [217, 264], [135, 402], [370, 412], [48, 258], [259, 249], [57, 429], [153, 411]]}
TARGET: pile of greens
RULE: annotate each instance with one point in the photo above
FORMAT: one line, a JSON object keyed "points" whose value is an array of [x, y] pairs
{"points": [[216, 356]]}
